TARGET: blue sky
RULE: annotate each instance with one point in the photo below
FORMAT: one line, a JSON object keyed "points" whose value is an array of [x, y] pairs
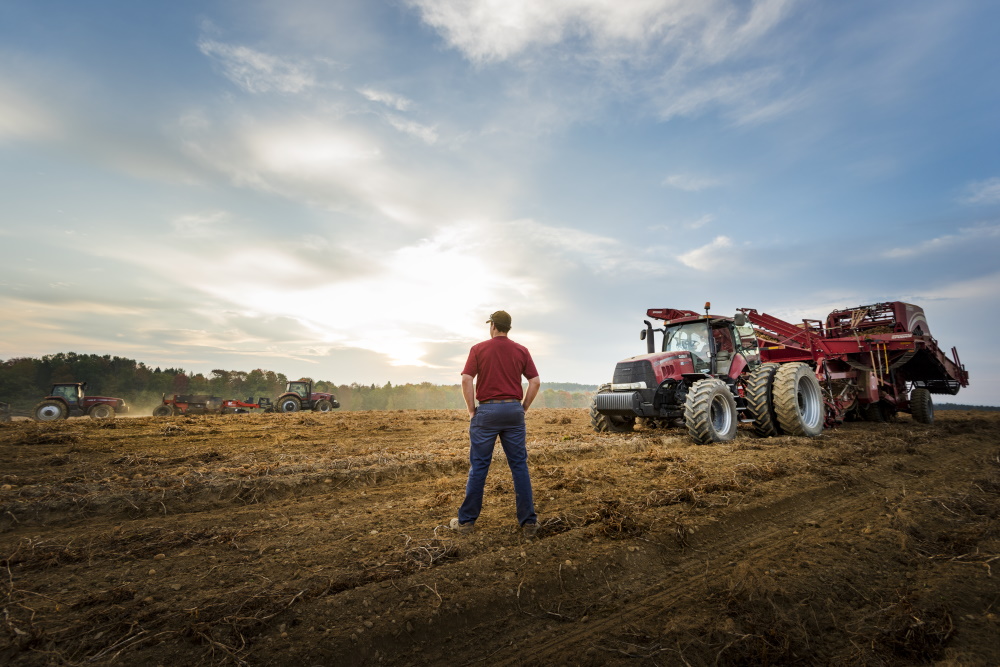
{"points": [[347, 189]]}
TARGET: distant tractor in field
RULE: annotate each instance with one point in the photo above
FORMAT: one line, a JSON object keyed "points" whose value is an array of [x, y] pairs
{"points": [[299, 395], [4, 412], [69, 399]]}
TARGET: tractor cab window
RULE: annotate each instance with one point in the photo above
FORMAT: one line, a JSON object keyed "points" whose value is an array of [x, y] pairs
{"points": [[300, 388], [746, 338], [691, 337], [68, 392]]}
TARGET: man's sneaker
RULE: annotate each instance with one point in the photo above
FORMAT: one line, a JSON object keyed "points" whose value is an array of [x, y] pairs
{"points": [[530, 530], [461, 528]]}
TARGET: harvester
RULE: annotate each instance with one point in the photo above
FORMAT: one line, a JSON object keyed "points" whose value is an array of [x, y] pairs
{"points": [[203, 404], [299, 395], [69, 399], [711, 373]]}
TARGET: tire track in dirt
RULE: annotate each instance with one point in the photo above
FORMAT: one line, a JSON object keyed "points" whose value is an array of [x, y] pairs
{"points": [[767, 525]]}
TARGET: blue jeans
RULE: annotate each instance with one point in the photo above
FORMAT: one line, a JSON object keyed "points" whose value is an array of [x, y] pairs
{"points": [[505, 420]]}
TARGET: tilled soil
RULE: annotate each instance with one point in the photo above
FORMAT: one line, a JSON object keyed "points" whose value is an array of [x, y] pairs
{"points": [[315, 539]]}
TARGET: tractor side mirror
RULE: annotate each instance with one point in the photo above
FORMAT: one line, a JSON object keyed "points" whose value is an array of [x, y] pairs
{"points": [[642, 335]]}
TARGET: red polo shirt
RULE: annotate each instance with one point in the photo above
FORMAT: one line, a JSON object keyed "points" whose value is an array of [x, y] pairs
{"points": [[499, 364]]}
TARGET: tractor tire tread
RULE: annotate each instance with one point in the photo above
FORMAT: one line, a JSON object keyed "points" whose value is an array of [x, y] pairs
{"points": [[698, 412], [786, 399], [922, 406], [603, 423], [760, 400]]}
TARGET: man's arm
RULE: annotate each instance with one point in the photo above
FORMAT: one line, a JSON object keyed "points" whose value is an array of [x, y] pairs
{"points": [[532, 391], [468, 393]]}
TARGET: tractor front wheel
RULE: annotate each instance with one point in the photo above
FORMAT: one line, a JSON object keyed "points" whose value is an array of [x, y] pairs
{"points": [[50, 411], [922, 406], [322, 405], [101, 412], [162, 411], [603, 423], [710, 412], [289, 404]]}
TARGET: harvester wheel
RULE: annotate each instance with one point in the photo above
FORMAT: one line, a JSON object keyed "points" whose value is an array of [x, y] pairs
{"points": [[162, 411], [322, 405], [603, 423], [50, 411], [101, 412], [880, 412], [922, 406], [760, 400], [289, 404], [710, 412], [798, 400]]}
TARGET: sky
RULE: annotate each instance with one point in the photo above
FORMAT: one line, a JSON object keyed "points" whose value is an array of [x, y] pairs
{"points": [[347, 189]]}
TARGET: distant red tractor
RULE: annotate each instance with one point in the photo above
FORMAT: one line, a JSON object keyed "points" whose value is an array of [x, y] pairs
{"points": [[862, 363], [203, 404], [69, 399], [299, 395]]}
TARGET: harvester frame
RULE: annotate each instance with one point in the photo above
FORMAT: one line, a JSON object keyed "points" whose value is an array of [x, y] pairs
{"points": [[203, 404], [867, 362]]}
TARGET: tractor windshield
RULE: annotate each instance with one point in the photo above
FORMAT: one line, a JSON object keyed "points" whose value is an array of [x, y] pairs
{"points": [[69, 392], [300, 388], [690, 337]]}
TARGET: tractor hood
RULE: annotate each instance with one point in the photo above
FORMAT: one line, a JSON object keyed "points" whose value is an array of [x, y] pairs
{"points": [[648, 371]]}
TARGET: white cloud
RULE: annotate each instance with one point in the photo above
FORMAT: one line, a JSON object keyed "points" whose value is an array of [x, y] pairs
{"points": [[701, 222], [199, 225], [708, 256], [967, 236], [22, 117], [397, 102], [257, 72], [982, 192], [689, 183], [426, 134], [710, 31]]}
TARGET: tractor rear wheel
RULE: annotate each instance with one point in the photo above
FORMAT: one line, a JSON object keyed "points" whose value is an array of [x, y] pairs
{"points": [[101, 412], [760, 400], [710, 412], [322, 405], [603, 423], [50, 411], [922, 406], [162, 411], [798, 400], [289, 404]]}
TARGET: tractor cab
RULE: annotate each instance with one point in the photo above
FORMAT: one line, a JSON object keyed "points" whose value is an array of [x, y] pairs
{"points": [[71, 392], [303, 389]]}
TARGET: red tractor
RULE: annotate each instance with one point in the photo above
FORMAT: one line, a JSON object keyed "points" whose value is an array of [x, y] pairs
{"points": [[69, 399], [202, 404], [299, 395], [867, 362]]}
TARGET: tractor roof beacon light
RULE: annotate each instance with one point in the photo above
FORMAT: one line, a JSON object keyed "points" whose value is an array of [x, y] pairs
{"points": [[708, 305]]}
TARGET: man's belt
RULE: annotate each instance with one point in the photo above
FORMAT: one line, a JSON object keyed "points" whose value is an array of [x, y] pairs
{"points": [[501, 400]]}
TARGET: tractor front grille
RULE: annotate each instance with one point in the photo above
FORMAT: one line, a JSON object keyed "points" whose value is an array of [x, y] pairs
{"points": [[635, 371], [617, 401]]}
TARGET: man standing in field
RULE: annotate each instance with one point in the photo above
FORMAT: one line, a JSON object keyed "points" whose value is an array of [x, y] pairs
{"points": [[499, 364]]}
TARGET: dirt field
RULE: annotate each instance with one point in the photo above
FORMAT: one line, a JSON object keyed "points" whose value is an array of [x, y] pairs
{"points": [[321, 539]]}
